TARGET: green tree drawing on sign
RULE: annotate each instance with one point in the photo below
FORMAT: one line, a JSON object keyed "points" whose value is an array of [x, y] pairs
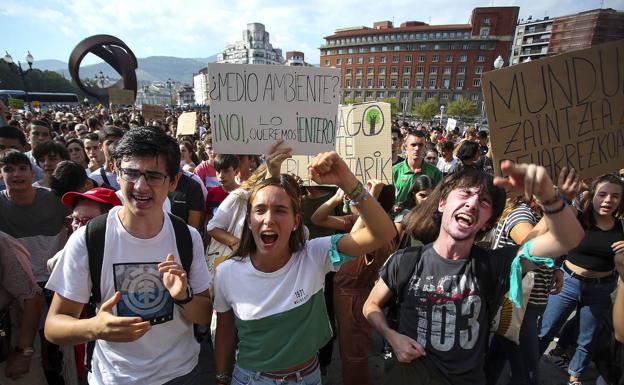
{"points": [[373, 117]]}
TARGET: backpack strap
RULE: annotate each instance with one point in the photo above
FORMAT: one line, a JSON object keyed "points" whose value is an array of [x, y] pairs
{"points": [[483, 268], [409, 260], [184, 242], [95, 233]]}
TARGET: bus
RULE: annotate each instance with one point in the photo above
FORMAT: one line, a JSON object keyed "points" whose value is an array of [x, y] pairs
{"points": [[45, 99]]}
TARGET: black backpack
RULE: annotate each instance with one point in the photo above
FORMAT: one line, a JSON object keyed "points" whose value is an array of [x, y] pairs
{"points": [[410, 258], [95, 233]]}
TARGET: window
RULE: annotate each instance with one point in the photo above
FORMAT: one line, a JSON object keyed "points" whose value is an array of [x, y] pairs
{"points": [[370, 71], [419, 84], [347, 94], [360, 60], [463, 58], [380, 94], [384, 48], [369, 94], [340, 51], [461, 70], [391, 94], [405, 83], [373, 49], [393, 83], [436, 47], [477, 83], [485, 31], [483, 46], [420, 70], [435, 58], [348, 83], [382, 59], [394, 70], [358, 83], [433, 70], [382, 83], [446, 83], [371, 59], [338, 61], [397, 47], [358, 72], [348, 72], [444, 96], [404, 94], [350, 50], [395, 59], [430, 95], [407, 70], [478, 70], [369, 83], [459, 83], [449, 58], [349, 60], [362, 49], [486, 21], [408, 58], [481, 58], [432, 83], [382, 70], [474, 97], [421, 58], [357, 94], [326, 62]]}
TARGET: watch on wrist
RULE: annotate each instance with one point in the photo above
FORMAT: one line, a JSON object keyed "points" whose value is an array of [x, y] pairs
{"points": [[222, 378], [189, 297], [26, 352]]}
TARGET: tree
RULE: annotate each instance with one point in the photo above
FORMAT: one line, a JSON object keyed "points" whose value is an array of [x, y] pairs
{"points": [[394, 105], [426, 110], [346, 101], [462, 108], [37, 81]]}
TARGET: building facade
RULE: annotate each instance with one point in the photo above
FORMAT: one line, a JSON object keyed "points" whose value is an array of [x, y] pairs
{"points": [[536, 39], [417, 61], [531, 40], [185, 95], [200, 87], [296, 59], [254, 48]]}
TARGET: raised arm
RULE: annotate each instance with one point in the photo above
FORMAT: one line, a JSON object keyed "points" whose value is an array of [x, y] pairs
{"points": [[564, 231], [329, 168], [322, 216], [618, 304]]}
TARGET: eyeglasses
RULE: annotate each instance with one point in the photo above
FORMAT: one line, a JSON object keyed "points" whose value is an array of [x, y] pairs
{"points": [[153, 178], [79, 222]]}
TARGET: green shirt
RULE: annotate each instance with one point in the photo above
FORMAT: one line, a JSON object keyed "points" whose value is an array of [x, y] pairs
{"points": [[403, 178]]}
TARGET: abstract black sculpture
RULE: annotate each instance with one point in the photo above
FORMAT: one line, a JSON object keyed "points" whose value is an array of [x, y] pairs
{"points": [[114, 52]]}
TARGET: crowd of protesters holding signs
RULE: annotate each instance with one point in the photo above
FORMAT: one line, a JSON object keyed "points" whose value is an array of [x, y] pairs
{"points": [[132, 254]]}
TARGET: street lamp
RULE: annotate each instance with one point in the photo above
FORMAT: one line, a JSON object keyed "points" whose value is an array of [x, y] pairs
{"points": [[169, 85], [442, 108], [498, 64], [17, 68]]}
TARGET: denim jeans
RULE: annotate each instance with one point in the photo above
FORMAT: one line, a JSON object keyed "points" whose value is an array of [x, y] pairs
{"points": [[242, 376], [592, 301]]}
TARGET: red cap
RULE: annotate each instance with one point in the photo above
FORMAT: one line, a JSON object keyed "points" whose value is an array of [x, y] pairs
{"points": [[98, 194]]}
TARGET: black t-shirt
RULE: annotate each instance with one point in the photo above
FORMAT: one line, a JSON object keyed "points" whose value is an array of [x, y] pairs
{"points": [[187, 196], [444, 309], [594, 252]]}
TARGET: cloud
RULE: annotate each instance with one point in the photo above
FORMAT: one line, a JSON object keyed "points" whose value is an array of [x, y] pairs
{"points": [[199, 28]]}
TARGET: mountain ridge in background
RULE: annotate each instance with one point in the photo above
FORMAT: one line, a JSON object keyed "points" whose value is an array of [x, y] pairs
{"points": [[150, 69]]}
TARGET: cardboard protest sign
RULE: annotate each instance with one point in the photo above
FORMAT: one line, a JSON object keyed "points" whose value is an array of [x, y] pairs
{"points": [[252, 106], [562, 111], [153, 112], [363, 140], [187, 123], [119, 96], [451, 124]]}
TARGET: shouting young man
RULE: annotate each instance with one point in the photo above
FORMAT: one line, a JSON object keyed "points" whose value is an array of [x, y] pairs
{"points": [[149, 300], [451, 289]]}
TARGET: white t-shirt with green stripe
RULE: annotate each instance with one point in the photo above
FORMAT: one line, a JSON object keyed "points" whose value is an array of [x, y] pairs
{"points": [[280, 316]]}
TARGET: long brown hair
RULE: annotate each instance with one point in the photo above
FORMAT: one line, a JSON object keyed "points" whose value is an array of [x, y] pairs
{"points": [[296, 241], [588, 203], [424, 221]]}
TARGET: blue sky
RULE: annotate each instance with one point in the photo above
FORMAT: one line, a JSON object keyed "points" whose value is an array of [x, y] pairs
{"points": [[50, 29]]}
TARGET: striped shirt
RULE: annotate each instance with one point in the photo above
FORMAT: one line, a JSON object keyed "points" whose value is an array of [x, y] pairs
{"points": [[543, 275]]}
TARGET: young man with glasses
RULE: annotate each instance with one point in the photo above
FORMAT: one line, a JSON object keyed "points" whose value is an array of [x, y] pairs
{"points": [[143, 330]]}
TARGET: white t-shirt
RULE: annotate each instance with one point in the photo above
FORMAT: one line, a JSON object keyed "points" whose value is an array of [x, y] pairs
{"points": [[112, 178], [444, 166], [130, 265]]}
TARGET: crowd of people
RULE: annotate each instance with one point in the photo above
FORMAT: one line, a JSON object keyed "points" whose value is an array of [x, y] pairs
{"points": [[131, 255]]}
